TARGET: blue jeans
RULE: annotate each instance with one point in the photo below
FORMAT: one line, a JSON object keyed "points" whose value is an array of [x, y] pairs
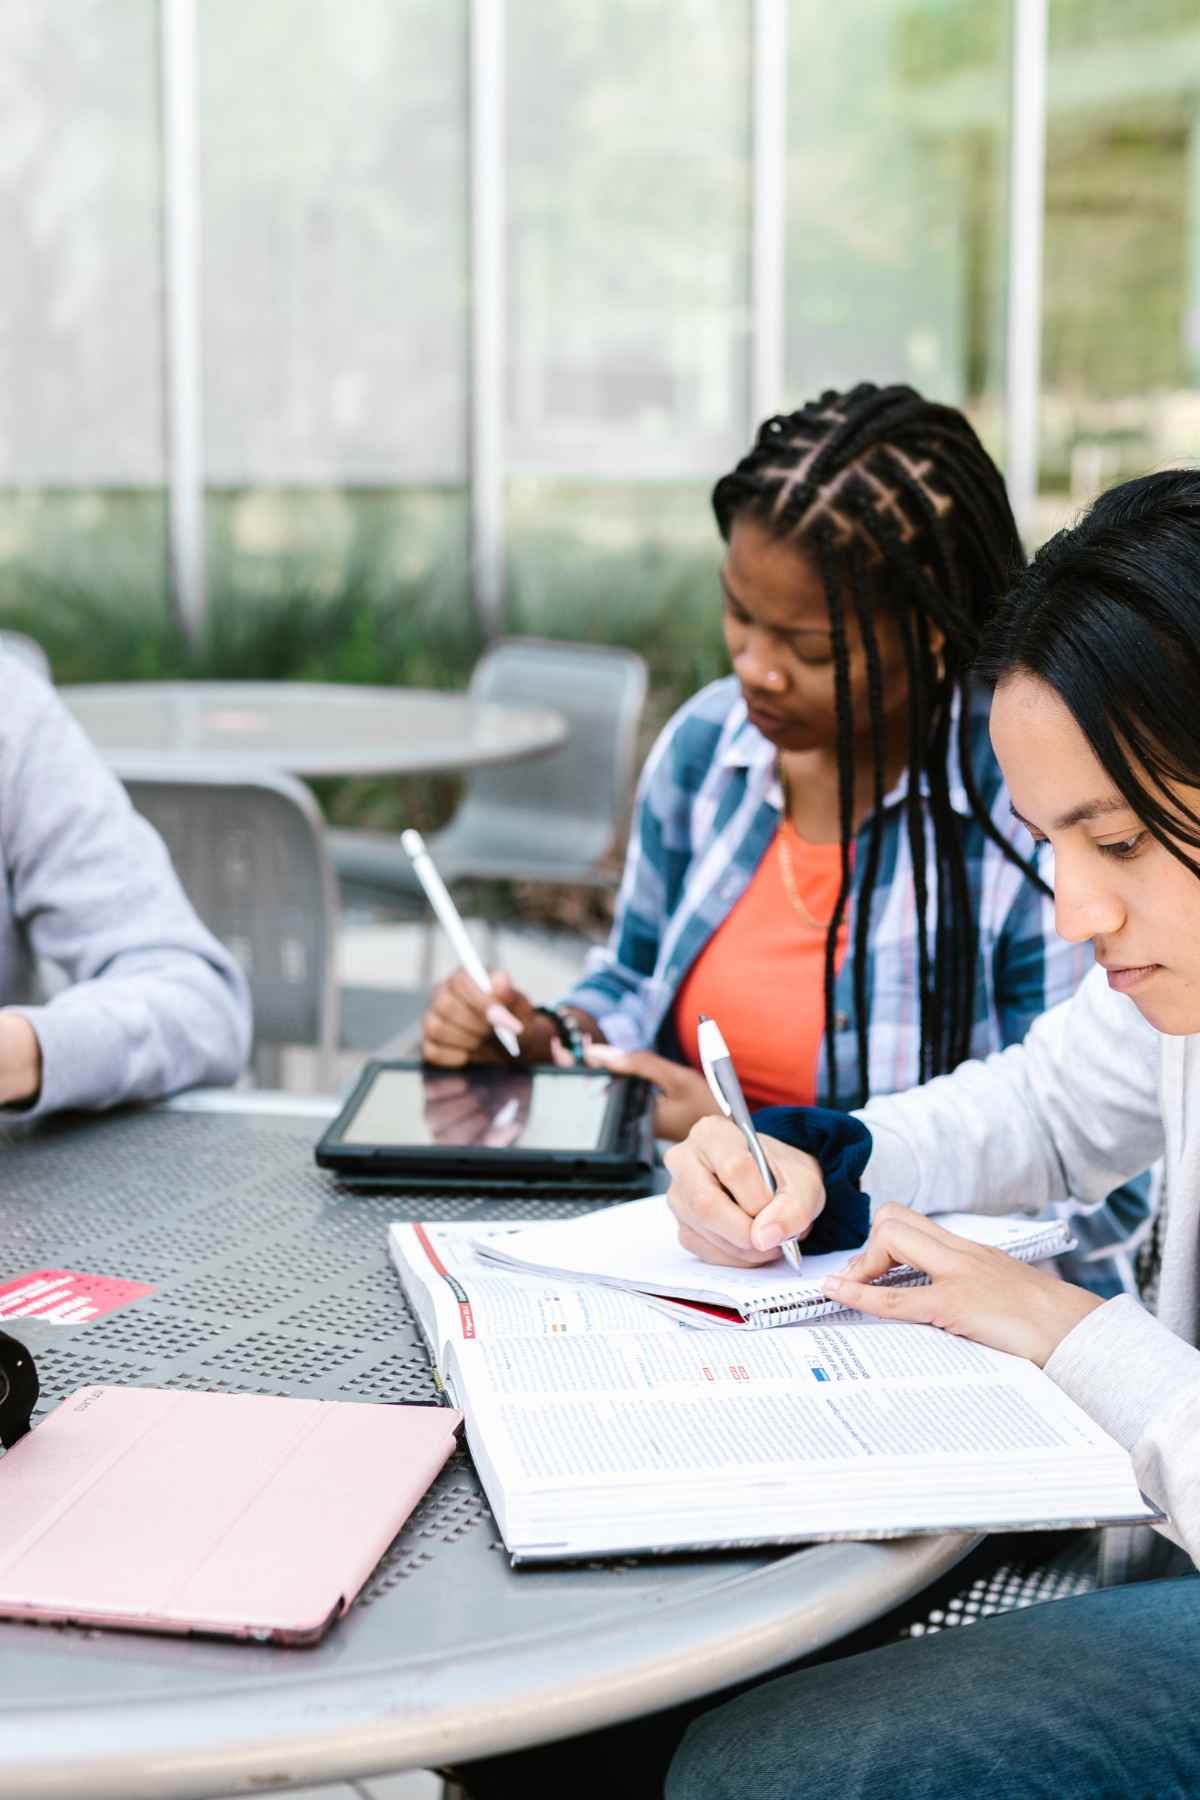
{"points": [[1074, 1699]]}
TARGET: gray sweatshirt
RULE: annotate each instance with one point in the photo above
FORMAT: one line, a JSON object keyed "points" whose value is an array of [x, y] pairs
{"points": [[146, 1001], [1092, 1095]]}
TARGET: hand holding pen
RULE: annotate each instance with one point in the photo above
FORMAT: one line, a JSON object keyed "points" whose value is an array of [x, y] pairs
{"points": [[726, 1090], [739, 1198]]}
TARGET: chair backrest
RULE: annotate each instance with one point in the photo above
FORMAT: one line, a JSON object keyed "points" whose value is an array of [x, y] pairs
{"points": [[566, 807], [249, 849], [26, 650]]}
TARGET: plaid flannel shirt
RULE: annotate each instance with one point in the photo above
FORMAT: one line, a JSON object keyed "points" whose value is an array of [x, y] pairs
{"points": [[708, 806]]}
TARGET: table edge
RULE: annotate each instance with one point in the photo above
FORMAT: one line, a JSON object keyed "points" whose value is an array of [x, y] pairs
{"points": [[372, 1723]]}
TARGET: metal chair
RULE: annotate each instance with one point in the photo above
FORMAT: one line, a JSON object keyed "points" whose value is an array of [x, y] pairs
{"points": [[548, 820], [28, 651], [249, 849]]}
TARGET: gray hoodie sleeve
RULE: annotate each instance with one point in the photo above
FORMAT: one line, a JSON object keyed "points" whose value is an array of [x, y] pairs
{"points": [[152, 1002], [1142, 1384]]}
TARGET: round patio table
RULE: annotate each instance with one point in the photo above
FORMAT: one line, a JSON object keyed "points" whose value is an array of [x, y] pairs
{"points": [[306, 728], [264, 1276]]}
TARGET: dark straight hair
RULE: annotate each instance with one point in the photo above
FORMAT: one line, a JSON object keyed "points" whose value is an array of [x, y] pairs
{"points": [[1108, 615], [902, 508]]}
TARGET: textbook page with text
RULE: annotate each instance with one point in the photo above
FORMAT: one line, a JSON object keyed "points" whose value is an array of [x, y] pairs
{"points": [[602, 1426], [626, 1442], [458, 1295]]}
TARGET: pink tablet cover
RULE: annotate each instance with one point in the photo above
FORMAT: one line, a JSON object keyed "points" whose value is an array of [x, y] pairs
{"points": [[239, 1514]]}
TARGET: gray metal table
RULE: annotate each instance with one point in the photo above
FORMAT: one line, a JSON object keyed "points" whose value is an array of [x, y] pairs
{"points": [[307, 728], [268, 1279]]}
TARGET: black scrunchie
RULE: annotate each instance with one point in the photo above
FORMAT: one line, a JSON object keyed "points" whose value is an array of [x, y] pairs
{"points": [[841, 1144]]}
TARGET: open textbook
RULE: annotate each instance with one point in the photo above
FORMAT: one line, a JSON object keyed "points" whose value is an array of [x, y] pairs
{"points": [[601, 1426], [635, 1246], [458, 1295]]}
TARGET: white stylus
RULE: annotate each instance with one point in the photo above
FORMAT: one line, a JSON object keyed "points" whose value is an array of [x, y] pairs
{"points": [[726, 1090], [506, 1027]]}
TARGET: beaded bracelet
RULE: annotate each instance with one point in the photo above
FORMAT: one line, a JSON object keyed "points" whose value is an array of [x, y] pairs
{"points": [[566, 1030]]}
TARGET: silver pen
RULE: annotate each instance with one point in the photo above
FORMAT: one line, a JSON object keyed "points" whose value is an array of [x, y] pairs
{"points": [[726, 1090]]}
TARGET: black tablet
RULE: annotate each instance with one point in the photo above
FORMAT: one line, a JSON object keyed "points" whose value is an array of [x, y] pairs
{"points": [[485, 1123]]}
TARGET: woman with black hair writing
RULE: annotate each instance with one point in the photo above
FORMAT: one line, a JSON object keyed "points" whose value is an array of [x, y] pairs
{"points": [[1096, 661], [823, 857]]}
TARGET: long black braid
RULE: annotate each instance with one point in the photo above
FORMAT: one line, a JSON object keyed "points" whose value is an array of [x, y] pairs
{"points": [[881, 476], [845, 726], [866, 625]]}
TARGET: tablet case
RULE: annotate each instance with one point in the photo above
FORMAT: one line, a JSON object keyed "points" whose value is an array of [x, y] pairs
{"points": [[242, 1515]]}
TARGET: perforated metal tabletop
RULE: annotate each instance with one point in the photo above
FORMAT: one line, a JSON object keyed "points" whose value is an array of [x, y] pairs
{"points": [[269, 1279]]}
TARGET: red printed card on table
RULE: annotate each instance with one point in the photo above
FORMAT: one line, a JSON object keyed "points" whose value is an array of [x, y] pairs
{"points": [[65, 1296]]}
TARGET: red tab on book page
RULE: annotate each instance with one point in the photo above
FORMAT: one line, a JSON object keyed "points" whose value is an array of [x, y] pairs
{"points": [[66, 1296], [465, 1315]]}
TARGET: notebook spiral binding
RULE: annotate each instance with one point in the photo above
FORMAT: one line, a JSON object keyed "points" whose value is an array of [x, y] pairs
{"points": [[785, 1309]]}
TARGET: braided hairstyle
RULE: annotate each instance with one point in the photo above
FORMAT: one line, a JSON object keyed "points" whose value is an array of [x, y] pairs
{"points": [[873, 477]]}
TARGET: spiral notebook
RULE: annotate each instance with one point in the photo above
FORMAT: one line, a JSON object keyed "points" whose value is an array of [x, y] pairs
{"points": [[635, 1247]]}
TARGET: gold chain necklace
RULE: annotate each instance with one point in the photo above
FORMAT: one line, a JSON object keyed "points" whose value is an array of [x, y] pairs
{"points": [[790, 888], [789, 883]]}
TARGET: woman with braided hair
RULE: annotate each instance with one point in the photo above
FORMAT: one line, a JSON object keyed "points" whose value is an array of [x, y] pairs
{"points": [[823, 856]]}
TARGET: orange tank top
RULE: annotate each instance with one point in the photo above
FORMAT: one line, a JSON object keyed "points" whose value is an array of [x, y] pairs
{"points": [[761, 975]]}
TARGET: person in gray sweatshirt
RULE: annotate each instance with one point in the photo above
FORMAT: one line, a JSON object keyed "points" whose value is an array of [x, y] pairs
{"points": [[111, 989], [1095, 660]]}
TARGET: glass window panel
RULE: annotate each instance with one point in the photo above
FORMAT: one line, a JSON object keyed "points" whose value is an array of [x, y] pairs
{"points": [[334, 310], [897, 181], [334, 263], [1121, 294], [82, 511], [81, 294], [628, 167]]}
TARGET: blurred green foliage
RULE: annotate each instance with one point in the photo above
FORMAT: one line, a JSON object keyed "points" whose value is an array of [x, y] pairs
{"points": [[364, 623], [940, 37], [358, 633], [319, 585], [415, 634], [662, 602]]}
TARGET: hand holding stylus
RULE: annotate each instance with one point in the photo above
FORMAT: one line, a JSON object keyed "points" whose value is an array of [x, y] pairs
{"points": [[503, 1021], [456, 1029]]}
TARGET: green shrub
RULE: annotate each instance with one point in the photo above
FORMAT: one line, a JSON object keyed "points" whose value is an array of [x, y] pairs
{"points": [[369, 626]]}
